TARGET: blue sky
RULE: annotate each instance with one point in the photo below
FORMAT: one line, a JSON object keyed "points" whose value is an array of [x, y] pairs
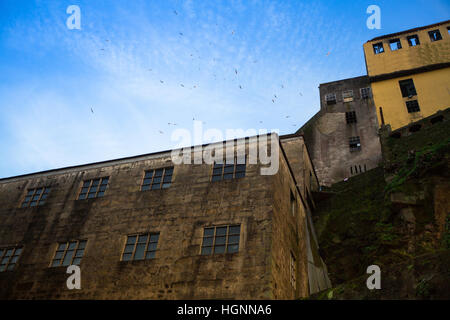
{"points": [[51, 77]]}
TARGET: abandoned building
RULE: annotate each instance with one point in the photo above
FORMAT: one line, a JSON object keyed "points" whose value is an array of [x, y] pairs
{"points": [[146, 228], [409, 72], [343, 136]]}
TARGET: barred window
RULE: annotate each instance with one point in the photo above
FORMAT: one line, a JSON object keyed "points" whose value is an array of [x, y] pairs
{"points": [[412, 106], [9, 257], [224, 239], [407, 88], [330, 98], [93, 188], [157, 179], [140, 247], [347, 96], [293, 271], [378, 48], [365, 93], [355, 144], [229, 170], [395, 44], [69, 253], [350, 117], [36, 197], [413, 40]]}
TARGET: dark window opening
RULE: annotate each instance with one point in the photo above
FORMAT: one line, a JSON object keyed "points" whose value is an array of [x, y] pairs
{"points": [[157, 179], [69, 253], [224, 239], [140, 247], [351, 170], [378, 48], [229, 170], [35, 197], [365, 93], [415, 128], [413, 40], [395, 44], [407, 87], [9, 258], [435, 35], [396, 135], [412, 106], [354, 144], [93, 188], [350, 117], [330, 98]]}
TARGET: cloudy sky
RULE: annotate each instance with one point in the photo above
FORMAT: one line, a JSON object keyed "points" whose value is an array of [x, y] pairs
{"points": [[116, 87]]}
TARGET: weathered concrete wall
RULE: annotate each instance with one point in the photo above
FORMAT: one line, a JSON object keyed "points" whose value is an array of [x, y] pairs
{"points": [[327, 133]]}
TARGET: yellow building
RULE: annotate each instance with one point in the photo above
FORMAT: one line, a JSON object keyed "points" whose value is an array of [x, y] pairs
{"points": [[409, 73]]}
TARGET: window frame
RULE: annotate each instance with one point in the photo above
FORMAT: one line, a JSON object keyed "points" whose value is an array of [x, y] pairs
{"points": [[405, 88], [375, 46], [146, 248], [153, 176], [350, 117], [412, 109], [75, 250], [4, 251], [413, 36], [365, 92], [226, 244], [435, 32], [330, 101], [347, 96], [39, 202], [89, 188], [225, 165], [357, 141]]}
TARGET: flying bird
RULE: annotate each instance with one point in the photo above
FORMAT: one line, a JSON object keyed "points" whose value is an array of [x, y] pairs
{"points": [[182, 85], [235, 70], [181, 33], [92, 110], [161, 132], [288, 117], [161, 81], [175, 11], [240, 87], [273, 101]]}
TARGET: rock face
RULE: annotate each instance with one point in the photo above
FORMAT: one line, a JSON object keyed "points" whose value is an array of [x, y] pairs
{"points": [[397, 217]]}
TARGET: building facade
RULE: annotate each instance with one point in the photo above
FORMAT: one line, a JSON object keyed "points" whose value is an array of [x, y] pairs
{"points": [[343, 136], [146, 228], [409, 73]]}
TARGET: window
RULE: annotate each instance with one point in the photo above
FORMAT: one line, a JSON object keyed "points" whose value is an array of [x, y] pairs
{"points": [[140, 247], [412, 106], [378, 48], [227, 171], [347, 96], [407, 88], [355, 144], [223, 239], [293, 271], [365, 93], [69, 253], [93, 188], [157, 179], [448, 30], [435, 35], [330, 98], [413, 40], [8, 258], [35, 197], [293, 204], [350, 117], [395, 44]]}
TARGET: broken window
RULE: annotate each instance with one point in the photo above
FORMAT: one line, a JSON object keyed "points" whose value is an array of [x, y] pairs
{"points": [[350, 117], [330, 98], [35, 197], [223, 239], [140, 247], [229, 170], [413, 40], [69, 253], [347, 96], [93, 188], [293, 271], [407, 87], [412, 106], [9, 257], [395, 44], [354, 144], [365, 93], [435, 35], [378, 47], [157, 179]]}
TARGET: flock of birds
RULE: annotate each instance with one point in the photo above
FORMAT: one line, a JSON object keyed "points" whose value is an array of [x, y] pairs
{"points": [[274, 99]]}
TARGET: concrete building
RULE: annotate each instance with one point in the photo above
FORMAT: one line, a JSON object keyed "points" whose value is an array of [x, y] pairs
{"points": [[409, 72], [343, 136], [146, 228]]}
